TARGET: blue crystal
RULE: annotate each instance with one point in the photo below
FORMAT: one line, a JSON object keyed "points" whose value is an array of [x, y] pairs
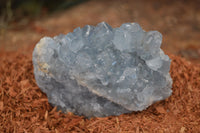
{"points": [[102, 71]]}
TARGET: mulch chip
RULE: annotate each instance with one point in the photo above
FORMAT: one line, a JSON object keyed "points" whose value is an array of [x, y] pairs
{"points": [[24, 108]]}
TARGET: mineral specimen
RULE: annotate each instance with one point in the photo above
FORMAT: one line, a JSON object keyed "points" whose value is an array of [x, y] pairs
{"points": [[100, 71]]}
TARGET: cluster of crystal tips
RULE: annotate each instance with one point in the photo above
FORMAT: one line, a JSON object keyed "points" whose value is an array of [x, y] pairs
{"points": [[123, 65]]}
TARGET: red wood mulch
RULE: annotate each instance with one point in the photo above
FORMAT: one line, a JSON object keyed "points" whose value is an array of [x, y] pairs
{"points": [[24, 108]]}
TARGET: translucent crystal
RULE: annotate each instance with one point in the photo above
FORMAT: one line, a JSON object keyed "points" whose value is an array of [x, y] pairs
{"points": [[101, 71]]}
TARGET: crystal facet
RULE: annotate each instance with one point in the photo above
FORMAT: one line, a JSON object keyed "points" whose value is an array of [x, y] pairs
{"points": [[102, 71]]}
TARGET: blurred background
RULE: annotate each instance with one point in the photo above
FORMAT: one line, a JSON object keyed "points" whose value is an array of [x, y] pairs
{"points": [[24, 22]]}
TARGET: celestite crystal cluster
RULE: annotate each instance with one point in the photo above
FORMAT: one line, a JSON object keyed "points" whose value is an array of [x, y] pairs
{"points": [[102, 71]]}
